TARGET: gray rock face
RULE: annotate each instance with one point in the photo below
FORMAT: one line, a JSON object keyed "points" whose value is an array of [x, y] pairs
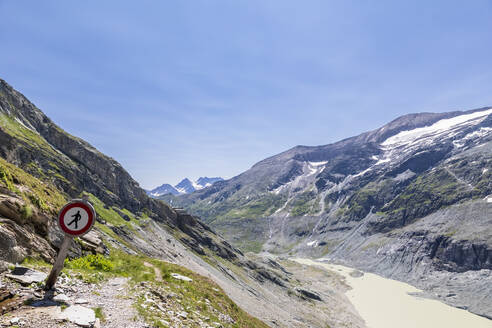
{"points": [[9, 251], [80, 166]]}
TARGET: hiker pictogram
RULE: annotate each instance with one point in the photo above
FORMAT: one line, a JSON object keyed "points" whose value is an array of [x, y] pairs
{"points": [[76, 219]]}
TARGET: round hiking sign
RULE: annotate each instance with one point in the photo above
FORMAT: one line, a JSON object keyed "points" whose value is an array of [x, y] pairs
{"points": [[76, 218]]}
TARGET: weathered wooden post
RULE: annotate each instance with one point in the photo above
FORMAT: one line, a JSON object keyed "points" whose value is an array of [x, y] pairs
{"points": [[75, 219]]}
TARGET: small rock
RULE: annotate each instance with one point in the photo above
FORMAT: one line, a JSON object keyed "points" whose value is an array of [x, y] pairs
{"points": [[81, 301], [309, 294], [4, 266], [92, 237], [14, 321], [180, 277], [172, 295], [61, 298], [183, 315], [79, 315], [356, 274]]}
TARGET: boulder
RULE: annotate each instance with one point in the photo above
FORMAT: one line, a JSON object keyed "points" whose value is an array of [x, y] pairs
{"points": [[9, 249], [26, 276], [308, 294], [79, 315], [4, 266]]}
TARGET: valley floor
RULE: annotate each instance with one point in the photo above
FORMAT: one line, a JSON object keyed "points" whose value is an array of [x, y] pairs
{"points": [[386, 303]]}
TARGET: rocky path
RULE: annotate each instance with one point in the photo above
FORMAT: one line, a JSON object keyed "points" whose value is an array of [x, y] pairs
{"points": [[75, 304], [116, 303]]}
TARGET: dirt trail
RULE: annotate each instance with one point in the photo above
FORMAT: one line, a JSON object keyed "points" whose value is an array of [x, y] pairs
{"points": [[157, 271]]}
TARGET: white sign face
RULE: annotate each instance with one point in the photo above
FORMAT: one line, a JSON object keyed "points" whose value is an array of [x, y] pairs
{"points": [[76, 218]]}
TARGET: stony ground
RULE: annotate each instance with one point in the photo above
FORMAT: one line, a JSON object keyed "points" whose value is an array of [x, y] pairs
{"points": [[112, 299], [116, 303]]}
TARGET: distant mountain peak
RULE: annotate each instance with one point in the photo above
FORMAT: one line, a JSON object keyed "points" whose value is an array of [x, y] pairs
{"points": [[185, 186], [163, 189]]}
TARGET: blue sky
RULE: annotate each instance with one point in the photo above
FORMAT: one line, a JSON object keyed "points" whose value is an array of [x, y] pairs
{"points": [[207, 88]]}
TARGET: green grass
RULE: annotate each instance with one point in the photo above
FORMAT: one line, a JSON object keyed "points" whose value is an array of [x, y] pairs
{"points": [[91, 262], [371, 196], [28, 136], [254, 246], [40, 194], [426, 194], [111, 216], [235, 207], [26, 211], [304, 203], [98, 311], [35, 263], [264, 205]]}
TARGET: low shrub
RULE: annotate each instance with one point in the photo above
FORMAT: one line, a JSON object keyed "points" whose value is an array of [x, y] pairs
{"points": [[91, 262]]}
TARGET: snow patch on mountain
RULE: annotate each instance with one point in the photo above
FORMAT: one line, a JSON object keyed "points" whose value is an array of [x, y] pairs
{"points": [[471, 136], [316, 164], [309, 171], [403, 143], [409, 137]]}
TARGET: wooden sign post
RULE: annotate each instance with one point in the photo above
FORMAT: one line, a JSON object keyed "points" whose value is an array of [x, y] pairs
{"points": [[75, 219]]}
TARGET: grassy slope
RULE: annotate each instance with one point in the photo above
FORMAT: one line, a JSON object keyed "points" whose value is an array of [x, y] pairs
{"points": [[41, 194]]}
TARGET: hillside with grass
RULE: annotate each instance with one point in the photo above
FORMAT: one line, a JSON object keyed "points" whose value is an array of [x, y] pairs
{"points": [[139, 246]]}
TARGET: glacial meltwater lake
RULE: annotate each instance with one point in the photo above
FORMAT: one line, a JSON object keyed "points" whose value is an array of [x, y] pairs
{"points": [[385, 303]]}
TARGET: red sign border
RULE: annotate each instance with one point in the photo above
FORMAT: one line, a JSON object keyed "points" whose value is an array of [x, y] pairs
{"points": [[91, 220]]}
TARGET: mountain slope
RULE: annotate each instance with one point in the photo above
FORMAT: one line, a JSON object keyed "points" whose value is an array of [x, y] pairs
{"points": [[385, 201], [42, 167]]}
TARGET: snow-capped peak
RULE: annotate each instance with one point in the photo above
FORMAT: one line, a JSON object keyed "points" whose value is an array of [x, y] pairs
{"points": [[185, 186]]}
